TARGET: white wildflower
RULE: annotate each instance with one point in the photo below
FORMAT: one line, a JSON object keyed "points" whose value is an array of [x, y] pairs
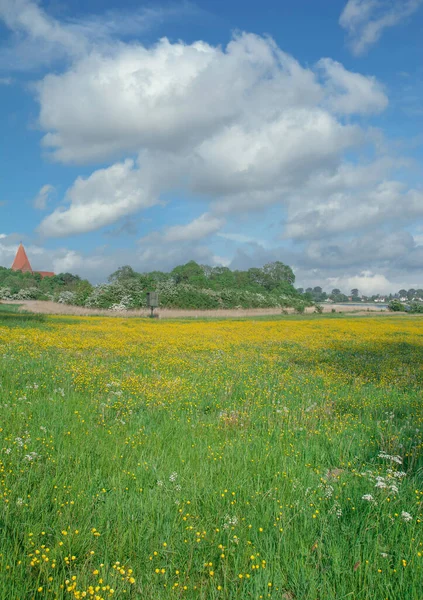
{"points": [[397, 459], [173, 476], [405, 516], [31, 456], [328, 491], [159, 483], [19, 501], [367, 497]]}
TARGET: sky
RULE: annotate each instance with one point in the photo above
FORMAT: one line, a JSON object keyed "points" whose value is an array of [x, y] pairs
{"points": [[227, 132]]}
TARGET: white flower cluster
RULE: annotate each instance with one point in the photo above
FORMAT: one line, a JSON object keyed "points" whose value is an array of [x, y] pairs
{"points": [[390, 482], [31, 456], [67, 297], [336, 510], [125, 303], [230, 521], [328, 491], [385, 456]]}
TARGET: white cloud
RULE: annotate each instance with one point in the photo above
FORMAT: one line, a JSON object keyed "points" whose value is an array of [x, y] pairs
{"points": [[366, 282], [169, 97], [198, 229], [6, 81], [240, 238], [355, 209], [366, 20], [352, 93], [101, 199], [44, 195], [169, 103], [39, 39], [70, 261], [221, 260]]}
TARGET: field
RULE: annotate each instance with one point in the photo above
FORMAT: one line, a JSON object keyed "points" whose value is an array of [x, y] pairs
{"points": [[211, 459]]}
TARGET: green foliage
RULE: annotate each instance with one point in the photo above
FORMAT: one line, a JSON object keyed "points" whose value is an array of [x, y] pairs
{"points": [[337, 296], [396, 306], [187, 286], [416, 307], [198, 287], [15, 285]]}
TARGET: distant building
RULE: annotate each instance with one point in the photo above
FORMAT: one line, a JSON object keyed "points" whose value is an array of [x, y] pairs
{"points": [[21, 263]]}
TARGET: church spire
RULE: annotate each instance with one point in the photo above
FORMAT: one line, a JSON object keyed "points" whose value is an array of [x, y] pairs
{"points": [[21, 262]]}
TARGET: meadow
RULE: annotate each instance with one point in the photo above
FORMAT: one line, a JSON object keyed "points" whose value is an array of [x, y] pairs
{"points": [[211, 459]]}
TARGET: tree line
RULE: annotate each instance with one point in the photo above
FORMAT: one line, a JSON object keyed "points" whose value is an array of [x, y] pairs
{"points": [[191, 285], [187, 286]]}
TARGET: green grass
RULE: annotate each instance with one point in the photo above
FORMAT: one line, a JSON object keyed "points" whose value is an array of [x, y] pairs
{"points": [[11, 315], [274, 441]]}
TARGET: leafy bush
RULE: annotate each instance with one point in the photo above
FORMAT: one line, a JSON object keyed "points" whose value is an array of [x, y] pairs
{"points": [[299, 306], [396, 306], [416, 307], [67, 297]]}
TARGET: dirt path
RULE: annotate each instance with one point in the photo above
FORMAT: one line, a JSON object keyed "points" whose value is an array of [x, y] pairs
{"points": [[54, 308]]}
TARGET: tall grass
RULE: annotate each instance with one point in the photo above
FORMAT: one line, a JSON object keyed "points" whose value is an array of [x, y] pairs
{"points": [[268, 459]]}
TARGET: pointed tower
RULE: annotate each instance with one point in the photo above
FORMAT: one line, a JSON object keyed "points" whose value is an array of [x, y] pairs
{"points": [[21, 262]]}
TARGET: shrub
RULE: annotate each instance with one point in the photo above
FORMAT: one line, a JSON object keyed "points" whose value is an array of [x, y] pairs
{"points": [[67, 297], [416, 307], [299, 306], [396, 306]]}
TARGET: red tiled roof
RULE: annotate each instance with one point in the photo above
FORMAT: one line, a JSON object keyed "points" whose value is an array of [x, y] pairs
{"points": [[21, 262]]}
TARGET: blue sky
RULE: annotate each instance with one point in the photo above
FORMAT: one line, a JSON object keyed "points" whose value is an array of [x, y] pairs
{"points": [[225, 132]]}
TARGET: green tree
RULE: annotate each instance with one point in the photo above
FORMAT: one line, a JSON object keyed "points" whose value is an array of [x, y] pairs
{"points": [[191, 273], [276, 273], [123, 274]]}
